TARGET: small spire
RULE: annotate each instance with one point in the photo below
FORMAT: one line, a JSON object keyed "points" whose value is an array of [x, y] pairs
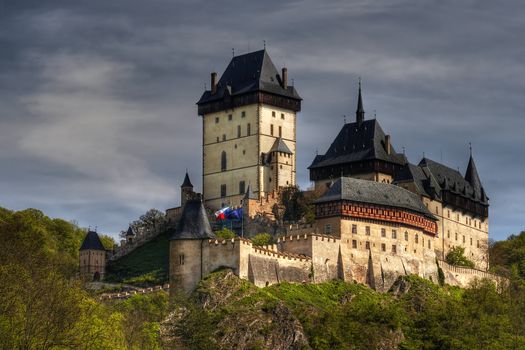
{"points": [[264, 44], [186, 182], [233, 52], [360, 112], [344, 118], [470, 148]]}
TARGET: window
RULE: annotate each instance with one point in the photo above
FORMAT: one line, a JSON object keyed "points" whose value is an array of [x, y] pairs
{"points": [[463, 238], [383, 247], [367, 245], [248, 129], [448, 213], [181, 259], [243, 151], [328, 229], [242, 187], [271, 129], [354, 243], [354, 229], [383, 232], [223, 161], [280, 131], [394, 234], [217, 138], [456, 236], [238, 131], [270, 180], [282, 115], [406, 236], [394, 249], [273, 114], [243, 114], [223, 190], [217, 120], [367, 230], [417, 238], [470, 240], [230, 117], [478, 244], [224, 137], [448, 233]]}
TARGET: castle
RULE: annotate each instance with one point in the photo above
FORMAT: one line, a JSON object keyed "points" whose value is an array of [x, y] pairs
{"points": [[377, 215]]}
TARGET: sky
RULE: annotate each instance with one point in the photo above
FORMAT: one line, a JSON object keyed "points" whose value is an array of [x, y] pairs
{"points": [[98, 121]]}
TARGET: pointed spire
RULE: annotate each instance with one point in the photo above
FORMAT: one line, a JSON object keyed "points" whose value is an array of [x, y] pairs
{"points": [[186, 182], [471, 175], [360, 112], [130, 232]]}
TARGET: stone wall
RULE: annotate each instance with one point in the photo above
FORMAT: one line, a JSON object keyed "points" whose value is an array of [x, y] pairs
{"points": [[464, 276]]}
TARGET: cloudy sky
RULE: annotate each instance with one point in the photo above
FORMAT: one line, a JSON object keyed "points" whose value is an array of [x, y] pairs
{"points": [[98, 120]]}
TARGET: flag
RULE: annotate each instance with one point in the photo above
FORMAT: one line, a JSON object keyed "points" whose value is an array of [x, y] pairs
{"points": [[221, 214], [236, 214]]}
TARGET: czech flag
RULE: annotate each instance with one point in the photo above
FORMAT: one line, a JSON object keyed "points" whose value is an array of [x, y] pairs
{"points": [[221, 214]]}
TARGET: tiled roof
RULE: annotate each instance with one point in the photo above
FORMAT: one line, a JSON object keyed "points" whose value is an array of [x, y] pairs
{"points": [[92, 241], [365, 191], [193, 223], [247, 73], [280, 146], [356, 142]]}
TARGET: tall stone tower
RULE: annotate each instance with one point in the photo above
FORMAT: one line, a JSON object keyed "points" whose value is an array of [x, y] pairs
{"points": [[249, 130], [92, 258]]}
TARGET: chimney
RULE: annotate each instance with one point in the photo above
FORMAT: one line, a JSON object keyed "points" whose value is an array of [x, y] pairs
{"points": [[284, 77], [387, 144], [213, 83]]}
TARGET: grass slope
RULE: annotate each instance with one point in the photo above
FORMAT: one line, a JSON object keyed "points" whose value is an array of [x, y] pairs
{"points": [[146, 265]]}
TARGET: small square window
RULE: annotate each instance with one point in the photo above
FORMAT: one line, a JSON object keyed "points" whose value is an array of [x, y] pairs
{"points": [[383, 232], [406, 236], [218, 139], [354, 229], [217, 120], [224, 137], [243, 114], [394, 249], [367, 230], [394, 234], [327, 229], [282, 115], [230, 117], [354, 243], [383, 247], [273, 114], [223, 190], [367, 245]]}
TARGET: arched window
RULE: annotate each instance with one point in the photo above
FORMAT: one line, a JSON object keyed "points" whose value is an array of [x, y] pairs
{"points": [[223, 161]]}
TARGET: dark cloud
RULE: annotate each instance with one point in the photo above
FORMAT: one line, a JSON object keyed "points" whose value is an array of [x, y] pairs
{"points": [[98, 120]]}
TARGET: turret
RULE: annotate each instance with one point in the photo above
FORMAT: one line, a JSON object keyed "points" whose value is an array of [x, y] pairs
{"points": [[92, 257], [130, 235], [186, 247]]}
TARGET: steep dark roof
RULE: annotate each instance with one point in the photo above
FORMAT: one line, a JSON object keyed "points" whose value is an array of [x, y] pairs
{"points": [[471, 175], [186, 182], [193, 223], [130, 232], [357, 143], [423, 180], [452, 180], [92, 241], [365, 191], [280, 146], [247, 73]]}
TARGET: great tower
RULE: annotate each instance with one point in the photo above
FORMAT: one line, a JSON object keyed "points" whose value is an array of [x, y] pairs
{"points": [[248, 130]]}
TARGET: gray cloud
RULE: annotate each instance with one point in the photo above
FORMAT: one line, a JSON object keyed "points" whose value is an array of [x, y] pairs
{"points": [[98, 120]]}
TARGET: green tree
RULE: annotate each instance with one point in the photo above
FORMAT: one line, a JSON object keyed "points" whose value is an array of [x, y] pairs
{"points": [[456, 256]]}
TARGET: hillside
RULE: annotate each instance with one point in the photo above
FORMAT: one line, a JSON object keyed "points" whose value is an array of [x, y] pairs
{"points": [[228, 313], [146, 265]]}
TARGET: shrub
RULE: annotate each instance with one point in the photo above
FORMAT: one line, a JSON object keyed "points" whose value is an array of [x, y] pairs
{"points": [[456, 256], [225, 233], [262, 239]]}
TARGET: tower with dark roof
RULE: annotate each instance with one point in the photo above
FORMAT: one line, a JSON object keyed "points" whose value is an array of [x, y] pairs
{"points": [[361, 150], [245, 113], [92, 257], [187, 253]]}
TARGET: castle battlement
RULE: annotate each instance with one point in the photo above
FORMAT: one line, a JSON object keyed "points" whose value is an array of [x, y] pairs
{"points": [[280, 254]]}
